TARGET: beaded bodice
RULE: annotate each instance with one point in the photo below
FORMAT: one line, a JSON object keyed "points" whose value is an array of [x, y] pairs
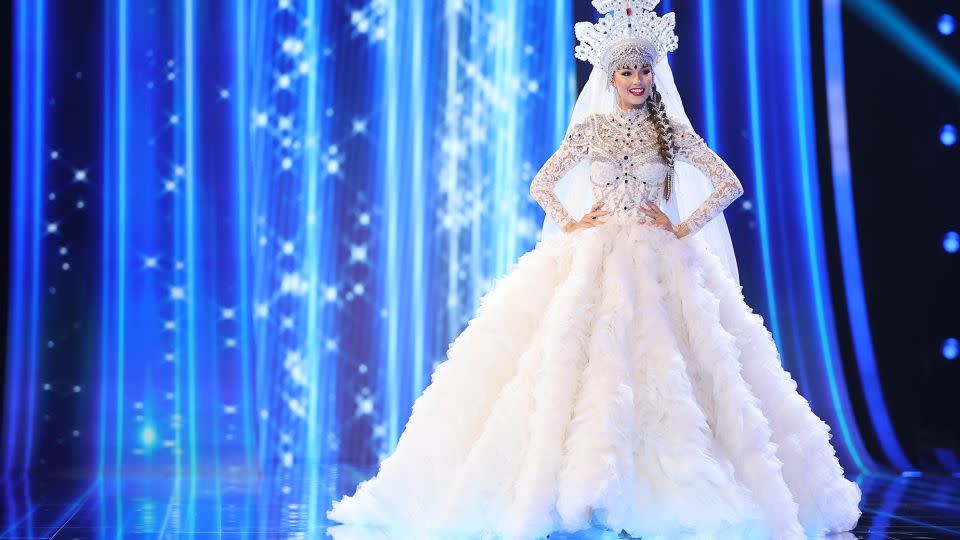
{"points": [[626, 168]]}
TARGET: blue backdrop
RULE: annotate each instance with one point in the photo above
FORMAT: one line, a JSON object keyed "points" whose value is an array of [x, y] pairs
{"points": [[245, 232]]}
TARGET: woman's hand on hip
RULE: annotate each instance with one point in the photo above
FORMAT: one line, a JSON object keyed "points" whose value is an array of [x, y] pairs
{"points": [[590, 219], [657, 217]]}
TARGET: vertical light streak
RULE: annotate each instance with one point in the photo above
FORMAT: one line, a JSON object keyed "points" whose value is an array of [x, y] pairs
{"points": [[261, 164], [476, 168], [503, 222], [21, 231], [122, 89], [495, 220], [113, 230], [392, 208], [179, 389], [845, 213], [795, 299], [17, 519], [418, 208], [38, 182], [892, 497], [241, 213], [191, 233], [811, 212], [453, 125], [105, 353], [564, 73], [709, 82], [756, 136], [318, 324], [514, 80]]}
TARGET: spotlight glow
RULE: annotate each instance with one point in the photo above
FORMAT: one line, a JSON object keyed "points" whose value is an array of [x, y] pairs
{"points": [[951, 348], [148, 436], [951, 242], [948, 135], [946, 24]]}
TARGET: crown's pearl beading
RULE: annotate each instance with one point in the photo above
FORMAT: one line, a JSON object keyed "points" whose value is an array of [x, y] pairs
{"points": [[629, 31]]}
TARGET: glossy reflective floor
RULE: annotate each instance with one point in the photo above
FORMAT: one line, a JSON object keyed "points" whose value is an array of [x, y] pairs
{"points": [[225, 506]]}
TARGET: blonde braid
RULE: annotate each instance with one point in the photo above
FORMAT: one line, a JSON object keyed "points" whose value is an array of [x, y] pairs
{"points": [[658, 115]]}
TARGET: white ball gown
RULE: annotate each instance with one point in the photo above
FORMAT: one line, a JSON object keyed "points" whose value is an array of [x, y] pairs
{"points": [[614, 376]]}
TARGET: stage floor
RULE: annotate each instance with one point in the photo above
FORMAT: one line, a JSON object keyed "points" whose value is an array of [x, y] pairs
{"points": [[226, 506]]}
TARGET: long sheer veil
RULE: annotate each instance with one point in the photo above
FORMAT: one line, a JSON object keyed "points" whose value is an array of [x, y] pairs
{"points": [[691, 186]]}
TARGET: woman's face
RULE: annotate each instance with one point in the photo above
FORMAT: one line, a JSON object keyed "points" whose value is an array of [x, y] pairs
{"points": [[633, 85]]}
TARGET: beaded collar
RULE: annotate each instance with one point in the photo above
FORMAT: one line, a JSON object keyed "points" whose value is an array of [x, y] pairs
{"points": [[628, 118]]}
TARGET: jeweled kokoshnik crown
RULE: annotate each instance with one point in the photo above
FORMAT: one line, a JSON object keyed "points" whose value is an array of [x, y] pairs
{"points": [[629, 33]]}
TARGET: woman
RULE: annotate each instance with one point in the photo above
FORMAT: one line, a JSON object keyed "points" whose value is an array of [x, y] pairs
{"points": [[616, 377]]}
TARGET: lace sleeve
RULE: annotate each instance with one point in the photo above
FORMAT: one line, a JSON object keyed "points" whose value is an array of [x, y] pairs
{"points": [[692, 149], [572, 150]]}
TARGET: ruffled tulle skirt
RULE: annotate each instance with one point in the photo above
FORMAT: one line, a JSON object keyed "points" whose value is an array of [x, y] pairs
{"points": [[614, 376]]}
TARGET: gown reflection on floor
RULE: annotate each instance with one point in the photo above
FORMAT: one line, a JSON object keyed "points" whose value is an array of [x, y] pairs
{"points": [[349, 532], [80, 507]]}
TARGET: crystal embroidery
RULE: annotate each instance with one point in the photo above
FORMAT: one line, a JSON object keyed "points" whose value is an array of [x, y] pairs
{"points": [[626, 168]]}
